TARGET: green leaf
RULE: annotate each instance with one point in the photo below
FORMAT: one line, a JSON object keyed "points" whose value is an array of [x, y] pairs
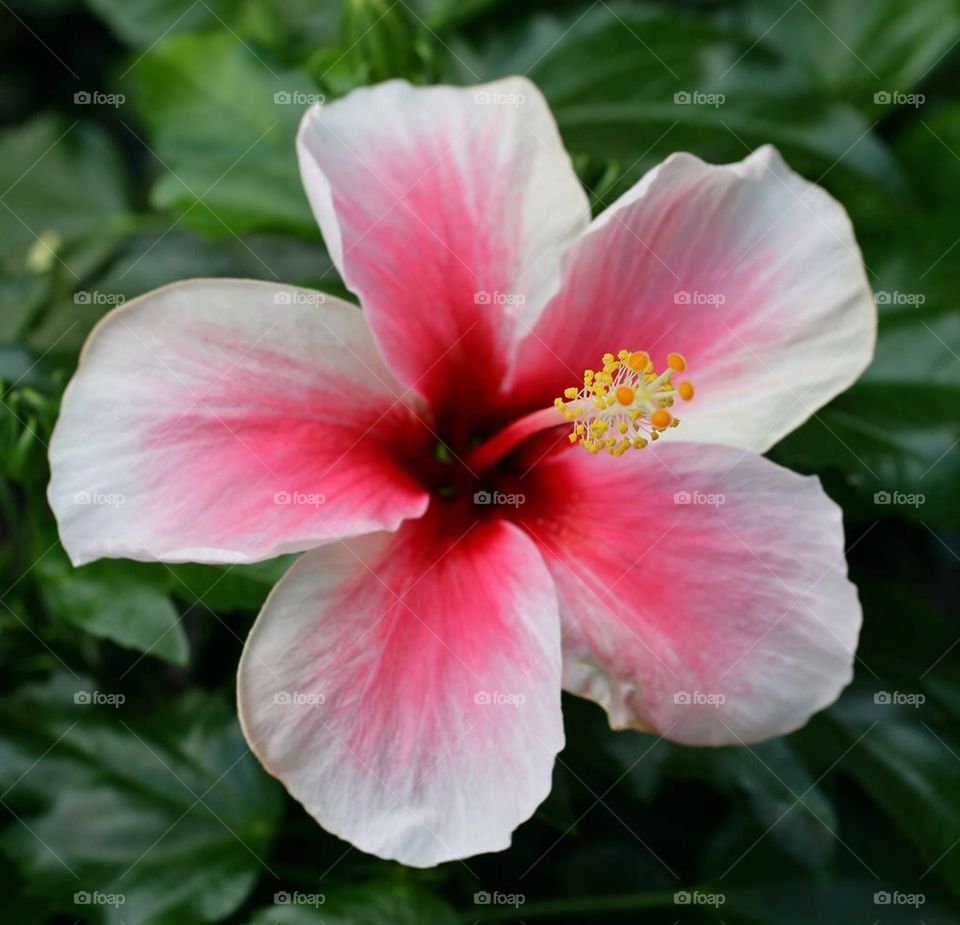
{"points": [[631, 94], [850, 50], [163, 807], [125, 602], [61, 182], [927, 655], [896, 434], [18, 364], [141, 23], [642, 758], [443, 14], [911, 771], [846, 899], [782, 796], [922, 242], [380, 39], [145, 261], [17, 905], [380, 903], [222, 122], [227, 588], [770, 780], [26, 419], [779, 792]]}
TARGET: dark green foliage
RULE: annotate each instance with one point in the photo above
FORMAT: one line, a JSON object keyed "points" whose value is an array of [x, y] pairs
{"points": [[122, 770]]}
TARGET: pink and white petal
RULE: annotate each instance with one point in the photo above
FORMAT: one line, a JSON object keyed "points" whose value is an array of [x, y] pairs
{"points": [[229, 421], [703, 592], [748, 270], [445, 210], [405, 688]]}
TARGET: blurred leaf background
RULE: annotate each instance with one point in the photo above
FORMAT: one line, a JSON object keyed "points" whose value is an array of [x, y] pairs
{"points": [[145, 141]]}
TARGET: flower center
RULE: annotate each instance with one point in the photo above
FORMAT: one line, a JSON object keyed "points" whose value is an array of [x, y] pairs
{"points": [[625, 404]]}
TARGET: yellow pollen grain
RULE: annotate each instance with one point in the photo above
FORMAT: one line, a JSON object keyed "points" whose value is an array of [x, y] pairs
{"points": [[624, 404]]}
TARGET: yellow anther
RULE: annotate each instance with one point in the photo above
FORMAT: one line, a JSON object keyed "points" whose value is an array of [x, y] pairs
{"points": [[624, 404], [661, 418]]}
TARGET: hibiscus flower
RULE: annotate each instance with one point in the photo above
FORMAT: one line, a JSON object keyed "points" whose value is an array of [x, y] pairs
{"points": [[530, 462]]}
